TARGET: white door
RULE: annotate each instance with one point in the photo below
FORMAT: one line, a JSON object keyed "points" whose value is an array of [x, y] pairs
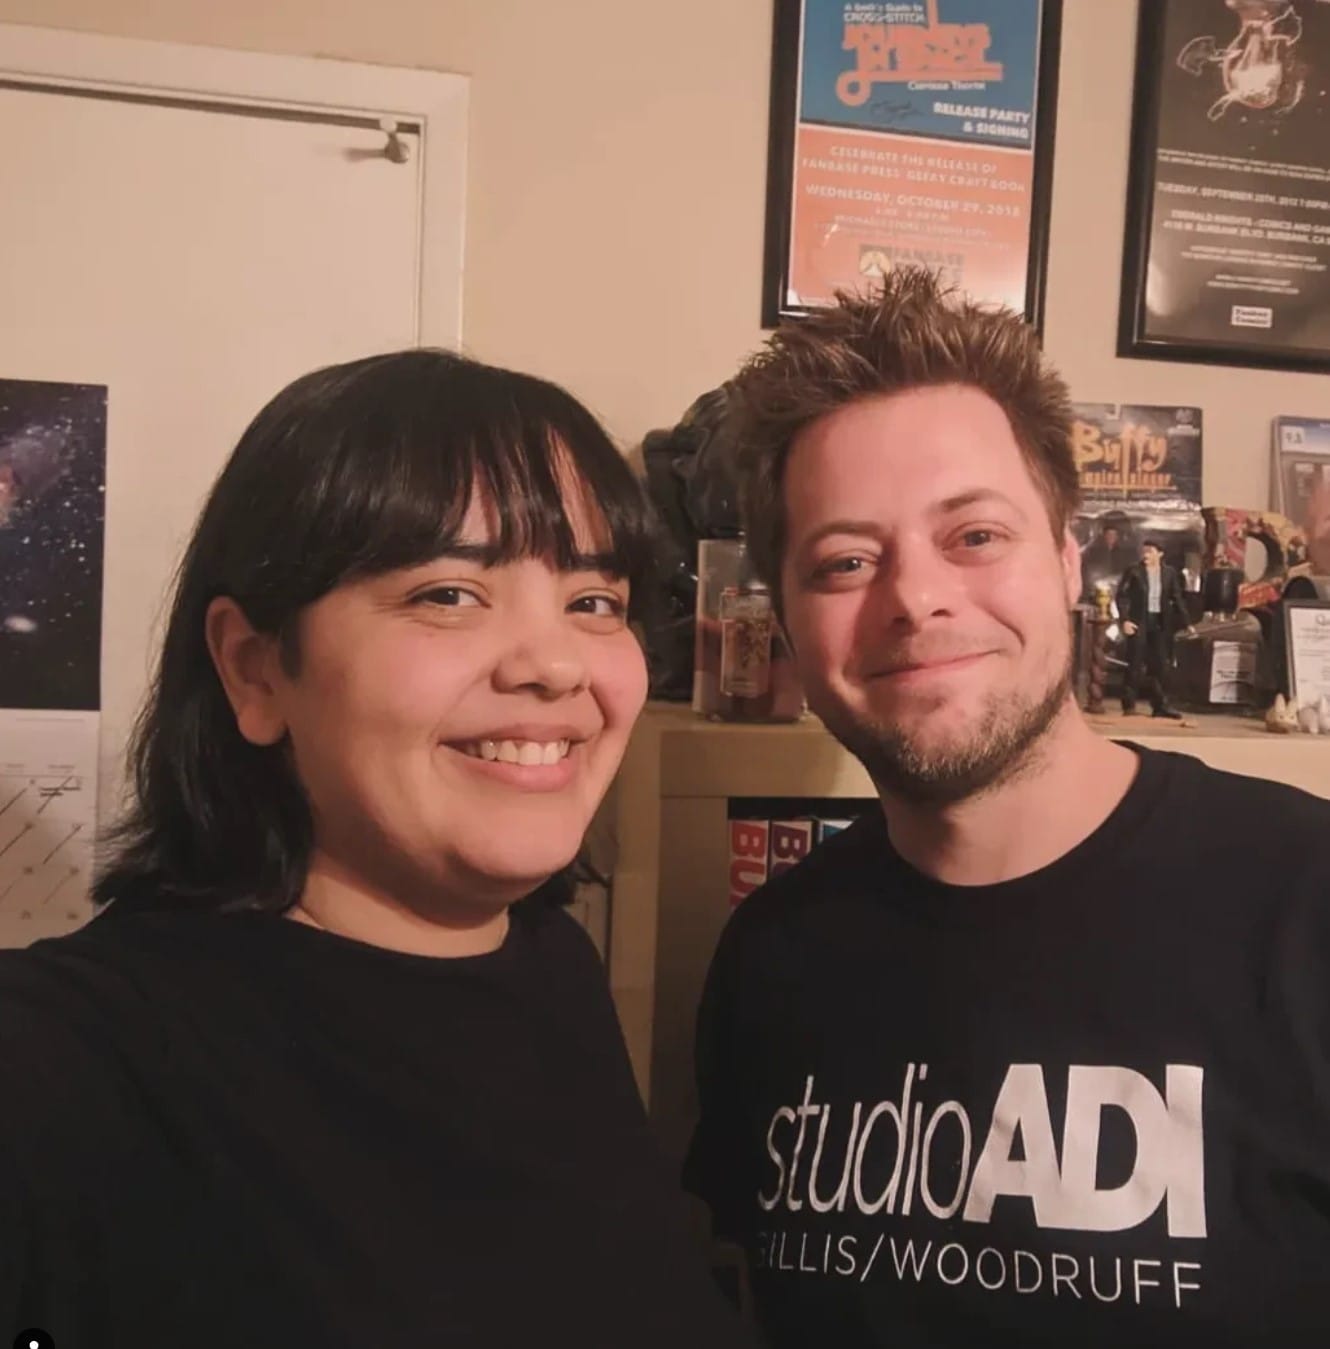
{"points": [[192, 256]]}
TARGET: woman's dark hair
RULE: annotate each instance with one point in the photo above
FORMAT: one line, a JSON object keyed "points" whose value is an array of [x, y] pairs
{"points": [[349, 472]]}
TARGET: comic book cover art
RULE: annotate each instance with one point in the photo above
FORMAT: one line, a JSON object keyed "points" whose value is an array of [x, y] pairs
{"points": [[1140, 475]]}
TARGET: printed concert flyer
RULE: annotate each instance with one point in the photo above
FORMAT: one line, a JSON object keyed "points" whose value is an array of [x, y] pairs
{"points": [[914, 142], [1239, 243]]}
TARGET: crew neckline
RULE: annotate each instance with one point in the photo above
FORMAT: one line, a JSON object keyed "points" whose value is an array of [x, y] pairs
{"points": [[1113, 837], [296, 935], [292, 940]]}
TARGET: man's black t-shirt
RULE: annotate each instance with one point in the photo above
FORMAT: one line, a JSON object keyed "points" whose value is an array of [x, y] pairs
{"points": [[1090, 1106], [223, 1131]]}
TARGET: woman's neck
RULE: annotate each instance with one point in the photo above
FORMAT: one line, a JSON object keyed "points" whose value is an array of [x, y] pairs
{"points": [[337, 902]]}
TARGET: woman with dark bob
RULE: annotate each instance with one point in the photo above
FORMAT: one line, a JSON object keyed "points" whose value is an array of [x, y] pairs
{"points": [[329, 1068]]}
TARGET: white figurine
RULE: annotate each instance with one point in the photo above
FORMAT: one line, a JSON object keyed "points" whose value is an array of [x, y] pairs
{"points": [[1282, 717]]}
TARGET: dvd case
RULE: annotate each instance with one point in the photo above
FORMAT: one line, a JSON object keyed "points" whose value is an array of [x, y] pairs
{"points": [[768, 835], [1300, 482]]}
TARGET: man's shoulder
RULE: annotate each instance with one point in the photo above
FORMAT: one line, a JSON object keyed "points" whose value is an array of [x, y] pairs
{"points": [[1242, 808], [1228, 784]]}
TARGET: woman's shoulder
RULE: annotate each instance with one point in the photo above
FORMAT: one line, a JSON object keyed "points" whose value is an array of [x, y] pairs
{"points": [[63, 994], [78, 1029]]}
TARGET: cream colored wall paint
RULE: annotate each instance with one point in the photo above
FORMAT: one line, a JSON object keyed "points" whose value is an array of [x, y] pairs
{"points": [[617, 169]]}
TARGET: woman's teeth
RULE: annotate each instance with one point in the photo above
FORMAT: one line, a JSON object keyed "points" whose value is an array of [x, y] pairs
{"points": [[528, 753]]}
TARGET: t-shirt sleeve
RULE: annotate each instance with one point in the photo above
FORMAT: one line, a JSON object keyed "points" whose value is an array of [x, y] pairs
{"points": [[14, 1239], [26, 1053], [713, 1168]]}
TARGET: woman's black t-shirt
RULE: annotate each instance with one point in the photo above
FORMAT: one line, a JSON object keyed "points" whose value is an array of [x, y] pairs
{"points": [[226, 1130]]}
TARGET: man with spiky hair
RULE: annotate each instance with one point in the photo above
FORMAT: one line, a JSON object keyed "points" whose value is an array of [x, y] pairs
{"points": [[1038, 1055]]}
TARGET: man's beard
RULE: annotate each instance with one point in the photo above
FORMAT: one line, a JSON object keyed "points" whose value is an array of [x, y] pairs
{"points": [[994, 752]]}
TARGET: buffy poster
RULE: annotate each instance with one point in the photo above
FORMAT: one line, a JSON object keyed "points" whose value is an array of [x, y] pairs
{"points": [[910, 131]]}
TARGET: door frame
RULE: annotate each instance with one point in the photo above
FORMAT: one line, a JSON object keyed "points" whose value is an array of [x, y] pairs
{"points": [[433, 99]]}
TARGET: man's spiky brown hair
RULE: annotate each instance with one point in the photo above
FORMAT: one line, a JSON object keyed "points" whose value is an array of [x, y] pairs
{"points": [[910, 333]]}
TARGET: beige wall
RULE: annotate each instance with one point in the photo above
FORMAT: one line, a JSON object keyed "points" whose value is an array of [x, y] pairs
{"points": [[617, 182]]}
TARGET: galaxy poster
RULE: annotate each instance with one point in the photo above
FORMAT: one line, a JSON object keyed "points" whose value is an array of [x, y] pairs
{"points": [[52, 522], [910, 132], [1228, 236], [1139, 467]]}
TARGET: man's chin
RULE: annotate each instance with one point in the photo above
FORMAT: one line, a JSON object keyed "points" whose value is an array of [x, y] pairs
{"points": [[950, 755], [941, 775], [943, 728]]}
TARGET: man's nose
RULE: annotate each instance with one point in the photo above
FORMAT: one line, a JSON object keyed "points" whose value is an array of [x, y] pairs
{"points": [[915, 583]]}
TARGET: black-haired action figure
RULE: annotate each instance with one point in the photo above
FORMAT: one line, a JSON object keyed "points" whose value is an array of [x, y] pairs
{"points": [[1152, 607]]}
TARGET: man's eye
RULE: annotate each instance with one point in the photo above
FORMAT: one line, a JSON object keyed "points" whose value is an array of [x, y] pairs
{"points": [[841, 566], [978, 538]]}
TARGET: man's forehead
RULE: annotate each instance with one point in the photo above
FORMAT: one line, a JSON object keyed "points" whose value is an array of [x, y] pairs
{"points": [[821, 492]]}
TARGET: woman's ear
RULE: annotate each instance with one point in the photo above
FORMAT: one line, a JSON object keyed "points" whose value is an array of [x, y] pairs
{"points": [[249, 665]]}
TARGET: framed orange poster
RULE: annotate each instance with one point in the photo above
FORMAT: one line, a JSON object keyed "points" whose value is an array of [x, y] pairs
{"points": [[910, 131]]}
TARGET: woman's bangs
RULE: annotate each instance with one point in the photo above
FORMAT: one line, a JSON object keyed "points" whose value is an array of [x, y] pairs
{"points": [[549, 494]]}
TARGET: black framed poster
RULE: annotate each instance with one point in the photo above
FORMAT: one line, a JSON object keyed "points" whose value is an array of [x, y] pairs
{"points": [[1227, 255], [910, 131]]}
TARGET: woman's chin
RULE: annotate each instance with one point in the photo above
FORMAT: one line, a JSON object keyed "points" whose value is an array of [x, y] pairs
{"points": [[510, 878]]}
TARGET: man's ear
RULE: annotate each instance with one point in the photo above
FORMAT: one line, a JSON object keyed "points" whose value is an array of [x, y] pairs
{"points": [[248, 663], [1071, 568]]}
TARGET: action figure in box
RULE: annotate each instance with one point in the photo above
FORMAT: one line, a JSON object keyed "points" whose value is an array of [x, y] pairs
{"points": [[1152, 607]]}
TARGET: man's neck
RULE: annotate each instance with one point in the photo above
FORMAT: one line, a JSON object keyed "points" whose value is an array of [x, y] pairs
{"points": [[1070, 784]]}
